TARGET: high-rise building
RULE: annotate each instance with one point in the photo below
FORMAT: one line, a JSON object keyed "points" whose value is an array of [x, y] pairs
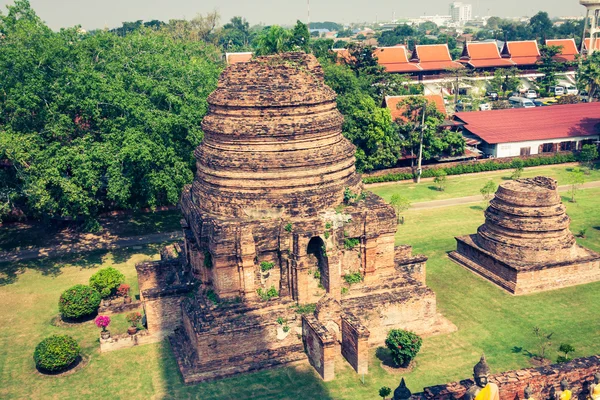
{"points": [[461, 12]]}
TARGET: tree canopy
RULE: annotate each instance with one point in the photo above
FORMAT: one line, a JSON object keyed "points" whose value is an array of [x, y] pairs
{"points": [[96, 122]]}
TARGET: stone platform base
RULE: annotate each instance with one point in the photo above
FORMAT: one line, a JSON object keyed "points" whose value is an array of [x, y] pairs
{"points": [[193, 372], [525, 279]]}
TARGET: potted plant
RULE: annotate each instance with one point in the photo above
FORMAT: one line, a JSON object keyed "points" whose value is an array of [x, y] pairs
{"points": [[102, 321], [133, 318], [123, 291]]}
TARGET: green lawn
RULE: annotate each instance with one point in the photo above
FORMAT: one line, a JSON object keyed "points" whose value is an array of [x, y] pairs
{"points": [[470, 184], [488, 319]]}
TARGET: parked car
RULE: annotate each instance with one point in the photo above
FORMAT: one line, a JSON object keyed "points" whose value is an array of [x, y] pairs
{"points": [[493, 96], [551, 101], [520, 102], [485, 107], [572, 90], [557, 90], [531, 94], [539, 103], [464, 105]]}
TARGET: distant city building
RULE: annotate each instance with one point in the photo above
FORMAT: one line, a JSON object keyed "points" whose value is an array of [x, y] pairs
{"points": [[439, 20], [461, 12]]}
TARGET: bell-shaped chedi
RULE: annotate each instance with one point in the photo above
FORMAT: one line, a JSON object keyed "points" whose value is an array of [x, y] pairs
{"points": [[273, 142], [276, 225], [525, 244]]}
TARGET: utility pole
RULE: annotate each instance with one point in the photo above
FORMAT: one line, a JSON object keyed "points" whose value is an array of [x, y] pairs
{"points": [[308, 10], [421, 143]]}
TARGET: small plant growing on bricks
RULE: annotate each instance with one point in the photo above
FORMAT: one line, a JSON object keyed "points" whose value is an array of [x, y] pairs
{"points": [[266, 266], [404, 346], [355, 277]]}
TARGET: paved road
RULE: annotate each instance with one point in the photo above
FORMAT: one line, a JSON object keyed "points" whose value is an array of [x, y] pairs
{"points": [[479, 198], [72, 248]]}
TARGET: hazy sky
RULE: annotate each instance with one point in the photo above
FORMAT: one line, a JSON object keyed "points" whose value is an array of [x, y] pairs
{"points": [[93, 14]]}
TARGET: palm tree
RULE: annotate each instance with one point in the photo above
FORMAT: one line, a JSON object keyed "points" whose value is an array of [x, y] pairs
{"points": [[273, 40]]}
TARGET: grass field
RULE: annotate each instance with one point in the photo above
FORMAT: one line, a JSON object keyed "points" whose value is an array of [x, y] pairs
{"points": [[470, 184], [488, 319]]}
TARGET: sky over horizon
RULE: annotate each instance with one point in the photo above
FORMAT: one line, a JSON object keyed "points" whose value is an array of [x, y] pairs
{"points": [[94, 14]]}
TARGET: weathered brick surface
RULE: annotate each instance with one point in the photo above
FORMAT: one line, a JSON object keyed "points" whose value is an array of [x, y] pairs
{"points": [[272, 172], [525, 244], [578, 373]]}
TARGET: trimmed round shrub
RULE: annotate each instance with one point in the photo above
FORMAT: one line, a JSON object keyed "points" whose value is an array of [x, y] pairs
{"points": [[404, 346], [56, 353], [106, 281], [79, 301]]}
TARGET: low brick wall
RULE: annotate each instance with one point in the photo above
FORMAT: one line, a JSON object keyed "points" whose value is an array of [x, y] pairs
{"points": [[126, 341], [578, 373]]}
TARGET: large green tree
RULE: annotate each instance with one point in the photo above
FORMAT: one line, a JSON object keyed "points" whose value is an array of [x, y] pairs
{"points": [[96, 122], [588, 74]]}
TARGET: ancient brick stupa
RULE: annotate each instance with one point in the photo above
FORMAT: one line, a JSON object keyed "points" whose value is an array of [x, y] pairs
{"points": [[294, 259], [525, 244]]}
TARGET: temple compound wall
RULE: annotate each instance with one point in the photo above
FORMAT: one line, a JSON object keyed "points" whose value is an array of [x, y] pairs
{"points": [[525, 244], [292, 258], [579, 373]]}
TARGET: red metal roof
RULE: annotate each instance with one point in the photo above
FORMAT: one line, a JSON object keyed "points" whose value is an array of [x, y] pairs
{"points": [[539, 123], [525, 52], [395, 59], [484, 54], [568, 49], [393, 101], [234, 58]]}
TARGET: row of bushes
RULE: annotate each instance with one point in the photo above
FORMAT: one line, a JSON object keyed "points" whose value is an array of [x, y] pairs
{"points": [[472, 168]]}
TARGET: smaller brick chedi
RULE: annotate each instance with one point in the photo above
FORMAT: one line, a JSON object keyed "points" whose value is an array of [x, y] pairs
{"points": [[525, 244], [294, 260]]}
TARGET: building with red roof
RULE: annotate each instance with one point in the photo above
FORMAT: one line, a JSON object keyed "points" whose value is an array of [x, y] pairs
{"points": [[234, 58], [392, 102], [568, 49], [483, 55], [434, 57], [523, 54], [586, 45], [395, 59], [524, 131]]}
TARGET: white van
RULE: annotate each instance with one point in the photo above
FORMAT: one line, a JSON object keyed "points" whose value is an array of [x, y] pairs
{"points": [[520, 102], [557, 90]]}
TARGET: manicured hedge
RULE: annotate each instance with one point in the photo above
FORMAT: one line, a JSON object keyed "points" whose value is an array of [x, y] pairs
{"points": [[472, 168], [56, 353], [79, 301]]}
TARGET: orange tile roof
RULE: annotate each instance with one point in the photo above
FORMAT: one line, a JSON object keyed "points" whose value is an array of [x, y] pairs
{"points": [[525, 52], [393, 101], [568, 49], [586, 44], [485, 54], [342, 55], [395, 59], [434, 57], [234, 58]]}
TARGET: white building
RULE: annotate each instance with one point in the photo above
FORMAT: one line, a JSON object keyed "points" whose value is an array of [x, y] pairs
{"points": [[461, 12], [529, 131]]}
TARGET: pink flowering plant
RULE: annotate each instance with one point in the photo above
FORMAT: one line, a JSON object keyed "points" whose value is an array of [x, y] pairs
{"points": [[102, 321]]}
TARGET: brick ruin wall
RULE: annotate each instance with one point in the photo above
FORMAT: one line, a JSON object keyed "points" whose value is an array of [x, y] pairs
{"points": [[578, 373], [355, 343], [319, 346]]}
